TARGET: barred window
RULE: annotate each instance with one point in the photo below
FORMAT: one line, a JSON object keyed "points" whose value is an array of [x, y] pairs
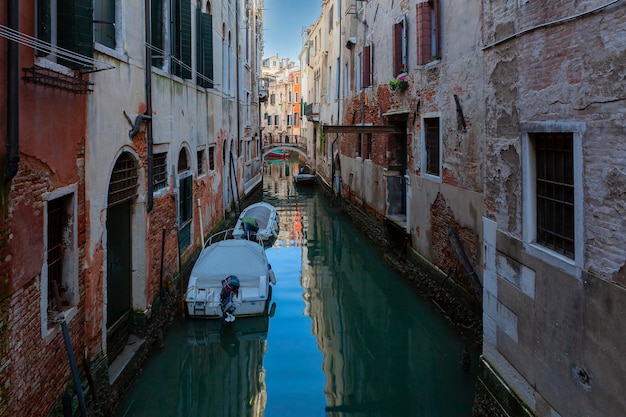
{"points": [[555, 191], [212, 158], [432, 144], [159, 171], [201, 162]]}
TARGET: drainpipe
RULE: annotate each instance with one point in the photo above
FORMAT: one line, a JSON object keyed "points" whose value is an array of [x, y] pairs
{"points": [[13, 97], [237, 94], [148, 88]]}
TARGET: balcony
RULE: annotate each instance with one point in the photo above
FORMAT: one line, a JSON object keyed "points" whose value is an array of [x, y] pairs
{"points": [[312, 111]]}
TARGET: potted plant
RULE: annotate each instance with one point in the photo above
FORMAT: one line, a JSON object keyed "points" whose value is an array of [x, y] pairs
{"points": [[399, 83]]}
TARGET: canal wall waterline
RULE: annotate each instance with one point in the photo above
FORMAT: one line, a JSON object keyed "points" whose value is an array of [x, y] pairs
{"points": [[493, 397]]}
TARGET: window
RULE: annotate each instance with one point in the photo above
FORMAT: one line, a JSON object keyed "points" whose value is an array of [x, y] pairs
{"points": [[432, 145], [427, 31], [157, 32], [273, 99], [185, 198], [204, 49], [297, 82], [296, 118], [297, 98], [60, 274], [400, 60], [366, 66], [553, 224], [201, 162], [368, 146], [289, 95], [159, 171], [555, 191], [288, 120], [181, 38], [68, 25], [212, 158], [104, 22], [276, 120], [331, 18], [359, 144]]}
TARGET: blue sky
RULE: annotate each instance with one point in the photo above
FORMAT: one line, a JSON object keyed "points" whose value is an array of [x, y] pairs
{"points": [[284, 20]]}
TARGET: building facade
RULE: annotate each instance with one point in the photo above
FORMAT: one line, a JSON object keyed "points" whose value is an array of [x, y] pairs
{"points": [[554, 178], [124, 149], [478, 131]]}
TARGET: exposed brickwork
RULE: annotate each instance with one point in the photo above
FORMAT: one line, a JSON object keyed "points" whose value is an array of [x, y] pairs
{"points": [[443, 254]]}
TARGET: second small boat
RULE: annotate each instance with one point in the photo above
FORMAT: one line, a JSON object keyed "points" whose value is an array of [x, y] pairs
{"points": [[257, 221]]}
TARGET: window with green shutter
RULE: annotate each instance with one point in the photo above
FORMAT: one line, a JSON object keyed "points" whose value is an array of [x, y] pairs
{"points": [[204, 49], [181, 38], [104, 22], [67, 24], [157, 27]]}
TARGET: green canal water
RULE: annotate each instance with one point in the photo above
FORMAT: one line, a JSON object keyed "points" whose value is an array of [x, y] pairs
{"points": [[345, 335]]}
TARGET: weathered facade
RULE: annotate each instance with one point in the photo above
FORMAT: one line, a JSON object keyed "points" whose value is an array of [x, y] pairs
{"points": [[489, 136], [554, 232], [400, 129], [134, 141]]}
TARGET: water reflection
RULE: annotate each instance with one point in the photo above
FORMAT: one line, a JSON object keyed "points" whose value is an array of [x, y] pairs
{"points": [[348, 338], [385, 351]]}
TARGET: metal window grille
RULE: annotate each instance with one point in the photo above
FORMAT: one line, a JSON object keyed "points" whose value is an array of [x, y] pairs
{"points": [[56, 221], [201, 162], [432, 146], [123, 185], [555, 191], [159, 171], [212, 158]]}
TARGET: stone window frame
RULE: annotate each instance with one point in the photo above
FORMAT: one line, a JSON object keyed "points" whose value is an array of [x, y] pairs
{"points": [[49, 327], [424, 159], [529, 227]]}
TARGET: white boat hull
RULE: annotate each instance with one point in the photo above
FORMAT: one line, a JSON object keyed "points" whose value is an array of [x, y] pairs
{"points": [[238, 257]]}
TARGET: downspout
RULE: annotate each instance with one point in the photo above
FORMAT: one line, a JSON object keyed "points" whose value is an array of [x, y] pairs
{"points": [[337, 181], [13, 97], [238, 104], [148, 113]]}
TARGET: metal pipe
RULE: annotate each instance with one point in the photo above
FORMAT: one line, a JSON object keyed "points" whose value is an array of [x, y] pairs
{"points": [[148, 87], [13, 97]]}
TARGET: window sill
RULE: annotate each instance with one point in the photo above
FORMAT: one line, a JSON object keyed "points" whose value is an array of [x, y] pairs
{"points": [[111, 52], [554, 259], [54, 327]]}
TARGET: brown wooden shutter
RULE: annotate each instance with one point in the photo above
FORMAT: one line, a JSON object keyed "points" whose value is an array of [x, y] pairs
{"points": [[366, 66], [397, 48]]}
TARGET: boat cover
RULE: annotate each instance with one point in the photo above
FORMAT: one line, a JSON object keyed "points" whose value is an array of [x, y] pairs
{"points": [[240, 257]]}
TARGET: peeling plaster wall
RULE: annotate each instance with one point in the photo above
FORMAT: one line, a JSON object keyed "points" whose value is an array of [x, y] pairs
{"points": [[184, 116], [431, 91], [551, 324]]}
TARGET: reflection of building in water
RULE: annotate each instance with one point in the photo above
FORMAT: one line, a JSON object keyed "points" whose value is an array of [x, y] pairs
{"points": [[232, 355], [381, 353]]}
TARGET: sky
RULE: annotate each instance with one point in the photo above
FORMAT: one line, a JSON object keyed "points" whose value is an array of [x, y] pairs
{"points": [[283, 20]]}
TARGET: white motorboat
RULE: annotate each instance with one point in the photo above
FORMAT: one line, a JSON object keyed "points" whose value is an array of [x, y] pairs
{"points": [[304, 177], [231, 278], [257, 221]]}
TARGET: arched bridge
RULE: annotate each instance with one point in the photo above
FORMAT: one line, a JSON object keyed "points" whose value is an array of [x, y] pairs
{"points": [[290, 144]]}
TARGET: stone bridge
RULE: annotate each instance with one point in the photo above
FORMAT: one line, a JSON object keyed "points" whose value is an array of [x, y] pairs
{"points": [[290, 144]]}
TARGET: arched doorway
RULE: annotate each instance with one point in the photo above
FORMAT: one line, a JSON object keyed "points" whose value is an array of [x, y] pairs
{"points": [[122, 193]]}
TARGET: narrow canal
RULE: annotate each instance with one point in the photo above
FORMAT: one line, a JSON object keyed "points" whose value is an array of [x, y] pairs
{"points": [[345, 335]]}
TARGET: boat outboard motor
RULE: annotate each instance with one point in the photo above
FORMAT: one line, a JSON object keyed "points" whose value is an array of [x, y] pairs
{"points": [[250, 226], [230, 288]]}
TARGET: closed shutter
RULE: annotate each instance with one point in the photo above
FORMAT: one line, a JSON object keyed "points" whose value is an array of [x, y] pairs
{"points": [[44, 22], [75, 29], [204, 48], [367, 67], [157, 33], [207, 47], [397, 48], [185, 37]]}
